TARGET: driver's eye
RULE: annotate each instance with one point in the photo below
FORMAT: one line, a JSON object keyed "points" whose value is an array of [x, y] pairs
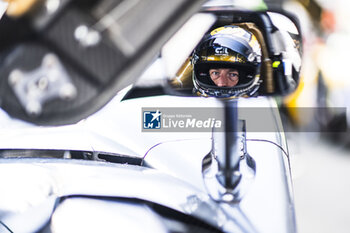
{"points": [[233, 75], [214, 74]]}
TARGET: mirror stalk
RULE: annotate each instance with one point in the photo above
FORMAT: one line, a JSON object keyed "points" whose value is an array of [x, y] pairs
{"points": [[229, 172]]}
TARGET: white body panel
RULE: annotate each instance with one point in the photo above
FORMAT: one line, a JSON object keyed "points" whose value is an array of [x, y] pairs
{"points": [[176, 180]]}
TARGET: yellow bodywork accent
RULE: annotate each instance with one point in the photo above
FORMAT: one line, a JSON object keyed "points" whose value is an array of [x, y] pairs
{"points": [[183, 77], [293, 106], [17, 8], [276, 64]]}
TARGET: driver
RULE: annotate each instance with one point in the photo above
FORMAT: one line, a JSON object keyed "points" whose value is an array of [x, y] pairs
{"points": [[227, 63]]}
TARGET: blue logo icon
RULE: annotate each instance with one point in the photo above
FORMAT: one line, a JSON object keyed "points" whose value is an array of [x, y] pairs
{"points": [[152, 119]]}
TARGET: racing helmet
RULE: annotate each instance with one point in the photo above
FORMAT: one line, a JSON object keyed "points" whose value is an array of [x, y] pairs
{"points": [[227, 47]]}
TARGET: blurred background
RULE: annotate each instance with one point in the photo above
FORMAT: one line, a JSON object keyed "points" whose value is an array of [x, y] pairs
{"points": [[316, 117]]}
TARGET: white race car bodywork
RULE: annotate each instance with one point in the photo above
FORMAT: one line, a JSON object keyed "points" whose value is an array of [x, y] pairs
{"points": [[173, 177]]}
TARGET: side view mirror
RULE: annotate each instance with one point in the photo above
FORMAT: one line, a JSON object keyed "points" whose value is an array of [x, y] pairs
{"points": [[279, 58]]}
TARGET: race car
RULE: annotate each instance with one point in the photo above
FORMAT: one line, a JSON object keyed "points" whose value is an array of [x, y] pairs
{"points": [[86, 147]]}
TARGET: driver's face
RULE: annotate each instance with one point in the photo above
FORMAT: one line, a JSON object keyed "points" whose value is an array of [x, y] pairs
{"points": [[224, 77]]}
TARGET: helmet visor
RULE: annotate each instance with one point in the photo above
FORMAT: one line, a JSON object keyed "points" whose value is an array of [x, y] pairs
{"points": [[245, 72]]}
